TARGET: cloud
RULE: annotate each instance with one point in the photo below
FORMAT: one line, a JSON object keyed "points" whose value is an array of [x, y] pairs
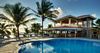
{"points": [[94, 15], [59, 10]]}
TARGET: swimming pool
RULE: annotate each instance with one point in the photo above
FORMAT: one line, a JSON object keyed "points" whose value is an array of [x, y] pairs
{"points": [[62, 46]]}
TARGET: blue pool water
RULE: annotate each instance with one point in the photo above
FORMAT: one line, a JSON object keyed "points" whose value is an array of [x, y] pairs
{"points": [[61, 46]]}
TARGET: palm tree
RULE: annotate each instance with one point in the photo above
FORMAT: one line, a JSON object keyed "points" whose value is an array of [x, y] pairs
{"points": [[98, 26], [18, 15], [44, 11], [4, 30]]}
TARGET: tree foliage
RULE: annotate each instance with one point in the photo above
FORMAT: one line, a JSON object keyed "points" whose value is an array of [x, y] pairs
{"points": [[36, 27], [19, 15]]}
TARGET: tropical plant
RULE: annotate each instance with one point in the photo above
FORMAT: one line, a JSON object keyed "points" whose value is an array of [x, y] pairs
{"points": [[36, 27], [4, 30], [27, 32], [98, 26], [44, 11], [50, 26], [98, 23], [19, 15]]}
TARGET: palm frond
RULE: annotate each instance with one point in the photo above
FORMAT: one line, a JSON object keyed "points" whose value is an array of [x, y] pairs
{"points": [[98, 22], [39, 8], [25, 16], [17, 12], [26, 21], [32, 10], [7, 19], [8, 9], [43, 8], [51, 19], [9, 25]]}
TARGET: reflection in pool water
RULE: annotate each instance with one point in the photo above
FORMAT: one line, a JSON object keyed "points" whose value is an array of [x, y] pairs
{"points": [[36, 48], [61, 46]]}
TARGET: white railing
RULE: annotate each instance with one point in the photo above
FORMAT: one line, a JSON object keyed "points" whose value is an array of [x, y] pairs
{"points": [[70, 25]]}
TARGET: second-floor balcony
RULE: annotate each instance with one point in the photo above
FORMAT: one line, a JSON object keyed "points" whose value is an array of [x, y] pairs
{"points": [[68, 25]]}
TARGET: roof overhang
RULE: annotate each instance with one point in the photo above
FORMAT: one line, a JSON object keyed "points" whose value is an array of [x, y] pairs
{"points": [[84, 17], [66, 18]]}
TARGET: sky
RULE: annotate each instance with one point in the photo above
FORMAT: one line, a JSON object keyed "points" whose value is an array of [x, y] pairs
{"points": [[67, 7]]}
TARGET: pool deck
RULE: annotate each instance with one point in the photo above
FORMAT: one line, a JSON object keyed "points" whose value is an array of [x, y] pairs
{"points": [[10, 48], [13, 47]]}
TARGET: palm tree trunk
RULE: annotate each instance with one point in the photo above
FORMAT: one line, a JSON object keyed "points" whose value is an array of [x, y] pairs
{"points": [[42, 31], [18, 32], [42, 24]]}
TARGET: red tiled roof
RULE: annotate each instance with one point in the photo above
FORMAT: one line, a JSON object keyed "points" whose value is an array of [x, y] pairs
{"points": [[66, 17], [79, 17], [86, 16]]}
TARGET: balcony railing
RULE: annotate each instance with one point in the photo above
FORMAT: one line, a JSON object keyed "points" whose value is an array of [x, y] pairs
{"points": [[68, 25]]}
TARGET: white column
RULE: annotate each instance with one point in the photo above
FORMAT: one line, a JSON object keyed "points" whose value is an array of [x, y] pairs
{"points": [[69, 34], [92, 23], [65, 34], [75, 33], [83, 25], [77, 23], [55, 34], [60, 23], [54, 24], [69, 22]]}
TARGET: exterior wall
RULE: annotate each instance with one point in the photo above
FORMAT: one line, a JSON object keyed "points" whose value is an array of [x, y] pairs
{"points": [[80, 24]]}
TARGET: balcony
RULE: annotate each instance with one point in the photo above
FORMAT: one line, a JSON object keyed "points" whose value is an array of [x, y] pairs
{"points": [[68, 25]]}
